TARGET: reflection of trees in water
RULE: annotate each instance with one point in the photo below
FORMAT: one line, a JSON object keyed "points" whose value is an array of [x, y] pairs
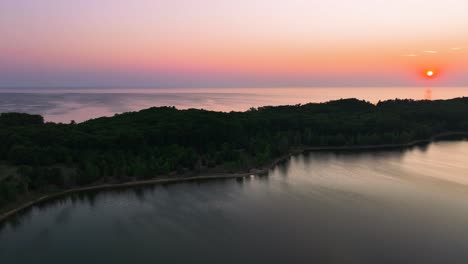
{"points": [[139, 194], [22, 216], [283, 167], [64, 216], [388, 153]]}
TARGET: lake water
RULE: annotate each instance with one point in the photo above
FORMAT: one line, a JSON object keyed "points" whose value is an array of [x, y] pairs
{"points": [[398, 206], [64, 105]]}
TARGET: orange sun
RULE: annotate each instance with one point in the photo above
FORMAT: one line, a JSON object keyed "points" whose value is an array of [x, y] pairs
{"points": [[430, 73]]}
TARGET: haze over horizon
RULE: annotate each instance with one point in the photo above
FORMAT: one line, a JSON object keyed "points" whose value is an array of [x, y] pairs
{"points": [[256, 43]]}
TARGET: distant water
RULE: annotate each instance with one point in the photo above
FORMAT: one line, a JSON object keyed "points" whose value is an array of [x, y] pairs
{"points": [[64, 105], [401, 206]]}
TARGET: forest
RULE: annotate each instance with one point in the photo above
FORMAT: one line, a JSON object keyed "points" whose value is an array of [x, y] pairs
{"points": [[42, 157]]}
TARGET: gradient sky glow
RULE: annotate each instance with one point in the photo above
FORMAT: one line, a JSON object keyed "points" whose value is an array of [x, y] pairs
{"points": [[244, 43]]}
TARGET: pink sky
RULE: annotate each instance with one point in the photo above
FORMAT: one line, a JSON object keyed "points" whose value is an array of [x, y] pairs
{"points": [[211, 43]]}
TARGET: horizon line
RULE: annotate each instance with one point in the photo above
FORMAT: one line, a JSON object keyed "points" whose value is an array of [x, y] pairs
{"points": [[232, 87]]}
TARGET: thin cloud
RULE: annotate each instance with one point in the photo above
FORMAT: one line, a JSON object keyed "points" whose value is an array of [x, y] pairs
{"points": [[459, 48], [410, 55], [430, 51]]}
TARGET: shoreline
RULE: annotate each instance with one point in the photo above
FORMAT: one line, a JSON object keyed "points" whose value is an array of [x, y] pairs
{"points": [[111, 186], [253, 172], [389, 146]]}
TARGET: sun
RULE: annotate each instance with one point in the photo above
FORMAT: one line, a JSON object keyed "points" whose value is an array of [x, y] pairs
{"points": [[430, 73]]}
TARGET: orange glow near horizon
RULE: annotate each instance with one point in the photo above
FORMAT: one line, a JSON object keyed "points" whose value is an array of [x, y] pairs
{"points": [[232, 43]]}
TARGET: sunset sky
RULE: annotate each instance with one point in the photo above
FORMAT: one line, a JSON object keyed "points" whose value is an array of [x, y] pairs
{"points": [[244, 43]]}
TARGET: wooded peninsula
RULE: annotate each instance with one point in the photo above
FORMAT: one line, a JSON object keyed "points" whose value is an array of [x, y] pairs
{"points": [[43, 157]]}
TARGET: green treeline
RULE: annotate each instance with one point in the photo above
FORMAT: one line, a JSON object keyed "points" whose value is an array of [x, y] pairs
{"points": [[167, 141]]}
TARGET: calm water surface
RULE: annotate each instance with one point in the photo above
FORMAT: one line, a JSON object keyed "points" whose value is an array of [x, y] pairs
{"points": [[64, 105], [395, 206]]}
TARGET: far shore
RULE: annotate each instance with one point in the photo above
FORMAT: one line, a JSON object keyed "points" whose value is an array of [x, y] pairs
{"points": [[253, 172]]}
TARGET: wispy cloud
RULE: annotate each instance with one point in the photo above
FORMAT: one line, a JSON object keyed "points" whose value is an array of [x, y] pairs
{"points": [[431, 52], [459, 48]]}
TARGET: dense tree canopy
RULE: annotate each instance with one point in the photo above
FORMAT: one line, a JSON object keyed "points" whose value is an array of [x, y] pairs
{"points": [[164, 140]]}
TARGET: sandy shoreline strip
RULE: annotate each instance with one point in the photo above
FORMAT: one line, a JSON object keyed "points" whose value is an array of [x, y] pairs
{"points": [[256, 172]]}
